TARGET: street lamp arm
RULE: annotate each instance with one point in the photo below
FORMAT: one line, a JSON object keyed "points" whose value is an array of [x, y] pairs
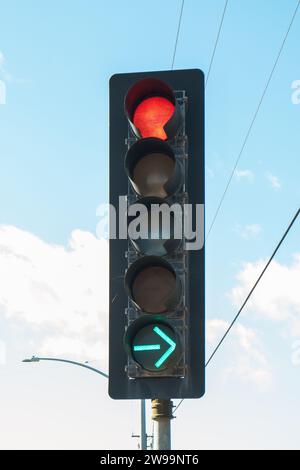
{"points": [[93, 369], [80, 364]]}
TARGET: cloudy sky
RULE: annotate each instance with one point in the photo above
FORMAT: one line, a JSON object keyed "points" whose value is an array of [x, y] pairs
{"points": [[55, 62]]}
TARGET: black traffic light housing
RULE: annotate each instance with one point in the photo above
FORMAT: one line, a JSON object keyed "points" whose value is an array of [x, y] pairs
{"points": [[157, 307]]}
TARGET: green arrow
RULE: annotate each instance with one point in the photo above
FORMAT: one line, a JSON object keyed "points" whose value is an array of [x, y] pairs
{"points": [[155, 347], [147, 347], [169, 351]]}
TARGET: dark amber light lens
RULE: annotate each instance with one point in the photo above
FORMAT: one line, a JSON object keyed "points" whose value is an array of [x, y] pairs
{"points": [[151, 174], [151, 115], [152, 289]]}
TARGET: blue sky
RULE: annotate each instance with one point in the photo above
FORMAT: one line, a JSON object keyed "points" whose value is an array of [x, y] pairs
{"points": [[56, 60]]}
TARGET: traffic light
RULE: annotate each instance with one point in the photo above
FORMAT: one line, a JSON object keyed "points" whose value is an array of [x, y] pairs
{"points": [[157, 308]]}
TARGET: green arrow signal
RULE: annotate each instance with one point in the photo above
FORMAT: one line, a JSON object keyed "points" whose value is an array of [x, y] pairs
{"points": [[147, 347], [169, 351], [155, 347]]}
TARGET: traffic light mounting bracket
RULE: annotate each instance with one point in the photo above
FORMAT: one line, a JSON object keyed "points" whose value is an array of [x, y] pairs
{"points": [[179, 259]]}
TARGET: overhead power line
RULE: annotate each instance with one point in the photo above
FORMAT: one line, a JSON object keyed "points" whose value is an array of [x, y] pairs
{"points": [[254, 286], [250, 293], [216, 43], [177, 34], [252, 122]]}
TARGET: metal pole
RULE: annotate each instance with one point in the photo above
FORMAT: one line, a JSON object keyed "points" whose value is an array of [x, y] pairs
{"points": [[162, 415], [143, 426]]}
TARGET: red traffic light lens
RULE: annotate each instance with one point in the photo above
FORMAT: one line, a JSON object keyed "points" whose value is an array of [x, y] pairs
{"points": [[151, 115], [152, 110]]}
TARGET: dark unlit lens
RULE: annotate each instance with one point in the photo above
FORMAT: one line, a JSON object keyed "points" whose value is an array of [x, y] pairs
{"points": [[151, 174], [152, 289]]}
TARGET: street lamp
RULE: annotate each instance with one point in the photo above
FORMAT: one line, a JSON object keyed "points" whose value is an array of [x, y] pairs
{"points": [[80, 364], [143, 436]]}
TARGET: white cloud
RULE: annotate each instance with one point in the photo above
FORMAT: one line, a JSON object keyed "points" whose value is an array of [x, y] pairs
{"points": [[60, 290], [249, 362], [243, 174], [277, 296], [80, 347], [296, 353], [260, 376], [296, 94], [249, 231], [2, 92], [3, 353], [214, 330], [62, 293], [6, 75], [3, 72], [274, 181]]}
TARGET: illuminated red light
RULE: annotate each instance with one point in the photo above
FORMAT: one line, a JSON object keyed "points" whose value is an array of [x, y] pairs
{"points": [[151, 115]]}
